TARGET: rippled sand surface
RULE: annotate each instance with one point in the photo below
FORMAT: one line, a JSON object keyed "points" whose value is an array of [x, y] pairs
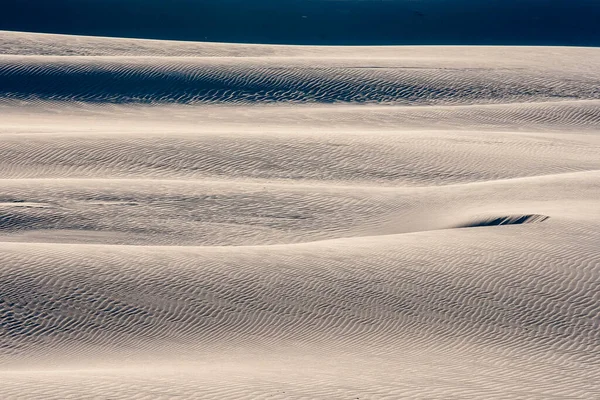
{"points": [[195, 220]]}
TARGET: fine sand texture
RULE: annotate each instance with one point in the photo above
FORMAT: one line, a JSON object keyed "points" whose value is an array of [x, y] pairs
{"points": [[226, 221]]}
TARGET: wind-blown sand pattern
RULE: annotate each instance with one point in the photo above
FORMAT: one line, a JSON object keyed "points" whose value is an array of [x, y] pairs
{"points": [[190, 220]]}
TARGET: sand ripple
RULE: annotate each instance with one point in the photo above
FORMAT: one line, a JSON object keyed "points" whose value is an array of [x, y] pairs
{"points": [[188, 220]]}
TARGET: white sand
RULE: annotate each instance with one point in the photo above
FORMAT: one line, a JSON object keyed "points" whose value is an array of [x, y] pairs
{"points": [[189, 220]]}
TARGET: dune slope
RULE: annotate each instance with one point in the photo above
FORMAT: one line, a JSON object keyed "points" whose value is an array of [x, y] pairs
{"points": [[197, 220]]}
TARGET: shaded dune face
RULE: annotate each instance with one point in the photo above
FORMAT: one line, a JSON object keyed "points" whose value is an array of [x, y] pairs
{"points": [[146, 72], [278, 81], [507, 220], [197, 220]]}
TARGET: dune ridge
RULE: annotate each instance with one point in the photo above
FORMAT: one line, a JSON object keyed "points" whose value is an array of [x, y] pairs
{"points": [[203, 220]]}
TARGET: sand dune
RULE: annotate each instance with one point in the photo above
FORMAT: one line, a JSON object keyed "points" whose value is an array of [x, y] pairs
{"points": [[194, 220]]}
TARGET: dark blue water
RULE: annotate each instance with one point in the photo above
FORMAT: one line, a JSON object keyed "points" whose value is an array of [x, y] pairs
{"points": [[495, 22]]}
